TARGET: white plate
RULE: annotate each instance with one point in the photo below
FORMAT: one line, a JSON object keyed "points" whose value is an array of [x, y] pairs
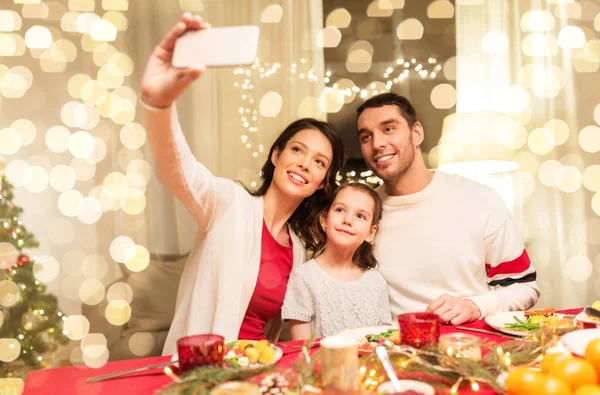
{"points": [[418, 386], [498, 320], [358, 333], [577, 341], [583, 317]]}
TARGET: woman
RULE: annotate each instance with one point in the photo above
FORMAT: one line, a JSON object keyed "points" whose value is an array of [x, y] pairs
{"points": [[235, 279]]}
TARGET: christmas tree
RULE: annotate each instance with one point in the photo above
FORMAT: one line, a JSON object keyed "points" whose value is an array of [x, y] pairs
{"points": [[30, 321]]}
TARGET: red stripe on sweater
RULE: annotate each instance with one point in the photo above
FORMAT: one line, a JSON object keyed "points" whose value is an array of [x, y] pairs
{"points": [[516, 266]]}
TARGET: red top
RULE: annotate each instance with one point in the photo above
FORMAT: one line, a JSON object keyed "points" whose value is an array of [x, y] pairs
{"points": [[276, 263]]}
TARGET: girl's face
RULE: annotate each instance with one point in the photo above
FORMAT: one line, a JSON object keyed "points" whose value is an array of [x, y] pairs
{"points": [[302, 165], [349, 221]]}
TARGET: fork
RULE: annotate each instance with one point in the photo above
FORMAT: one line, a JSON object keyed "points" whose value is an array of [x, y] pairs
{"points": [[297, 346]]}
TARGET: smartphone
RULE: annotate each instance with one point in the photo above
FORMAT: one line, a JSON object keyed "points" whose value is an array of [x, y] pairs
{"points": [[218, 46]]}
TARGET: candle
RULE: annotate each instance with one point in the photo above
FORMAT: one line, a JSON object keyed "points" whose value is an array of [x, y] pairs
{"points": [[419, 329], [11, 386], [460, 345], [236, 388], [200, 350], [339, 357]]}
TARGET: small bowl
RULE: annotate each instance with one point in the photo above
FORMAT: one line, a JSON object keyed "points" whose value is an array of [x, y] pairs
{"points": [[419, 386]]}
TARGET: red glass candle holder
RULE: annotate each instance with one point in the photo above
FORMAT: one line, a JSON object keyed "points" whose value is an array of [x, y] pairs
{"points": [[200, 350], [419, 329]]}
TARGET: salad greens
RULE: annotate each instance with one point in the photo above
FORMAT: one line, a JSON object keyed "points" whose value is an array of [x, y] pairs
{"points": [[387, 334]]}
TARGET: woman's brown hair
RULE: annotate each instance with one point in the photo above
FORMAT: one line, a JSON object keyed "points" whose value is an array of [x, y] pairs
{"points": [[363, 256]]}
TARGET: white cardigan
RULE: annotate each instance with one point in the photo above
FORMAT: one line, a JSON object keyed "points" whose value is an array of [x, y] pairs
{"points": [[221, 272]]}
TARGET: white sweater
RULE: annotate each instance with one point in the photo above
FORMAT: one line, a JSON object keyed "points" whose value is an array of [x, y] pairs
{"points": [[221, 272], [456, 237]]}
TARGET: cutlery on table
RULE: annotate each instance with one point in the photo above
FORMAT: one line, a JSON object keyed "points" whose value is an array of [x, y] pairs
{"points": [[383, 356], [466, 328], [129, 371], [592, 312], [283, 345]]}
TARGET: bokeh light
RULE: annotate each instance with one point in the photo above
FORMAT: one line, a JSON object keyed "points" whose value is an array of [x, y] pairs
{"points": [[10, 349], [9, 293], [410, 29], [46, 268], [340, 18], [591, 178], [589, 138], [76, 327], [57, 138], [91, 291], [547, 172], [571, 37], [270, 104], [440, 9], [118, 312], [122, 249], [443, 96], [94, 267], [579, 268], [540, 141], [141, 343], [8, 254], [271, 14]]}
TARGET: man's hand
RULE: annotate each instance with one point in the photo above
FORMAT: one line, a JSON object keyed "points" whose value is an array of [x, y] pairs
{"points": [[454, 310]]}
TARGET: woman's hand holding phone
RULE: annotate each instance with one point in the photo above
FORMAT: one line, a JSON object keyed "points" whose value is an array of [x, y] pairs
{"points": [[162, 83]]}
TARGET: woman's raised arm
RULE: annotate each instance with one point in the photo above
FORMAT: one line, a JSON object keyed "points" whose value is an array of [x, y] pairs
{"points": [[176, 167]]}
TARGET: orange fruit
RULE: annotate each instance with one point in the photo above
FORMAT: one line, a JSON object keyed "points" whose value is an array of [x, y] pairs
{"points": [[588, 390], [576, 372], [552, 359], [592, 354], [551, 386], [523, 381]]}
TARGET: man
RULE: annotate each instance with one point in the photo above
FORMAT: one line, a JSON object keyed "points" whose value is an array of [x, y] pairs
{"points": [[446, 244]]}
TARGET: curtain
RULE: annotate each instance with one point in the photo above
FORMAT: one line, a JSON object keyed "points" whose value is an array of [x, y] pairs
{"points": [[535, 61]]}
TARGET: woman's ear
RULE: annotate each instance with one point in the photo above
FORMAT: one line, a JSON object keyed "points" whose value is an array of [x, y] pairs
{"points": [[371, 235]]}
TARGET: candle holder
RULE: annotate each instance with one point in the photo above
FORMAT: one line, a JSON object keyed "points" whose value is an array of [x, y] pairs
{"points": [[11, 386], [200, 350], [236, 388], [419, 329], [460, 345], [339, 358], [552, 330]]}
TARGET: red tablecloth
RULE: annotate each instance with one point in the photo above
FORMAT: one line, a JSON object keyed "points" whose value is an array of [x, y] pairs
{"points": [[71, 380]]}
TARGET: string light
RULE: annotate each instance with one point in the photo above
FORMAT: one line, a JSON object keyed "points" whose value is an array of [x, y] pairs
{"points": [[392, 75], [456, 385]]}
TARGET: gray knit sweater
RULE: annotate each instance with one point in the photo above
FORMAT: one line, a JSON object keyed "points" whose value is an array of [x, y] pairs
{"points": [[331, 305]]}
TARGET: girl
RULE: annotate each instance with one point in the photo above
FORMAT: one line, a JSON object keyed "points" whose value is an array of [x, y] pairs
{"points": [[235, 279], [340, 288]]}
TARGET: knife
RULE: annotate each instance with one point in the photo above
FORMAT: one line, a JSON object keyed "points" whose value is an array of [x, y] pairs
{"points": [[466, 328], [129, 371]]}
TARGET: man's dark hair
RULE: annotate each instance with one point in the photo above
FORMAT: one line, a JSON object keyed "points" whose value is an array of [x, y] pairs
{"points": [[407, 110]]}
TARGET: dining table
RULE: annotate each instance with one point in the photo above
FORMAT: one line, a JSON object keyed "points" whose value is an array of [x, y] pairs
{"points": [[72, 379]]}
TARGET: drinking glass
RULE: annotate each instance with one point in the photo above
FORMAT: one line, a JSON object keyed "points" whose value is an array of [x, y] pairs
{"points": [[200, 350], [419, 329]]}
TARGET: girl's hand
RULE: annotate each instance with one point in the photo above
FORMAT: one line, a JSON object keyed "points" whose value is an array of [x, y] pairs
{"points": [[162, 83]]}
